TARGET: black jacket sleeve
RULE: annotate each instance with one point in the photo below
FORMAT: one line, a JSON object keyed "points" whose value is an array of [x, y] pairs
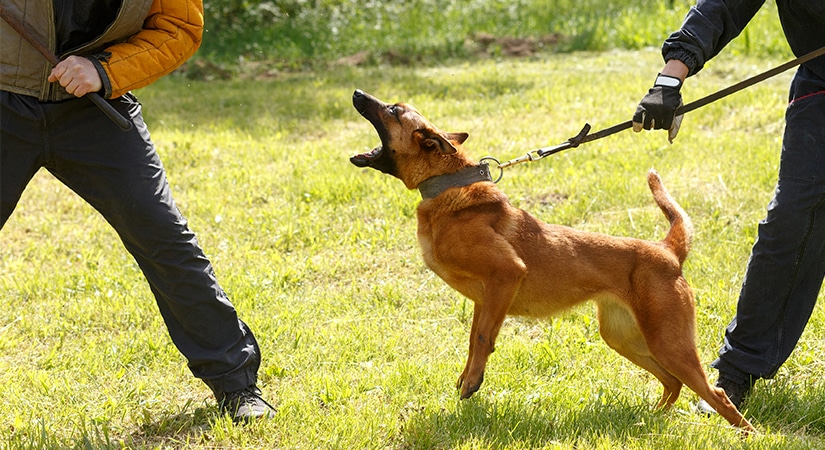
{"points": [[708, 27]]}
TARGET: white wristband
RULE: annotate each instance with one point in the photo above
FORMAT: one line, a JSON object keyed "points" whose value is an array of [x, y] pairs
{"points": [[668, 81]]}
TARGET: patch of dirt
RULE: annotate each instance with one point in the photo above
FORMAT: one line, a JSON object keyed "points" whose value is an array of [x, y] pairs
{"points": [[357, 59], [488, 44], [478, 44], [201, 69]]}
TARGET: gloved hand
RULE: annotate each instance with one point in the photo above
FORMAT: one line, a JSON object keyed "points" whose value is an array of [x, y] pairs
{"points": [[657, 110]]}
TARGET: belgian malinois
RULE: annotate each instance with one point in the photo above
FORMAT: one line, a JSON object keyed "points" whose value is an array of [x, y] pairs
{"points": [[508, 262]]}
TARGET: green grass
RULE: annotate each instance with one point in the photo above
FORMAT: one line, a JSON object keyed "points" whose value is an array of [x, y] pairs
{"points": [[362, 344], [294, 33]]}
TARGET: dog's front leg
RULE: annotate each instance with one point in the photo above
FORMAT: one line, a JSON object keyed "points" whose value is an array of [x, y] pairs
{"points": [[487, 320], [476, 315]]}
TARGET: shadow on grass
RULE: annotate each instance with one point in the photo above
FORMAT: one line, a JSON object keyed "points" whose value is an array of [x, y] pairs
{"points": [[168, 429], [790, 416], [304, 102], [506, 423]]}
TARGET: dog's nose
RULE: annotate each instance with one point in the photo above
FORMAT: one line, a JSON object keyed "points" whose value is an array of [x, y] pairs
{"points": [[359, 100]]}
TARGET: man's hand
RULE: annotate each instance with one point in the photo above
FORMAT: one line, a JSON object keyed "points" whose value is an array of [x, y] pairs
{"points": [[78, 75], [657, 110]]}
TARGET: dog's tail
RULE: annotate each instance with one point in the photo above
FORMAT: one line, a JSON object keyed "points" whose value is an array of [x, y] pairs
{"points": [[681, 228]]}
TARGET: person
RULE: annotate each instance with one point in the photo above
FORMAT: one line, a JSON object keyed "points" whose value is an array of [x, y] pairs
{"points": [[112, 47], [787, 262]]}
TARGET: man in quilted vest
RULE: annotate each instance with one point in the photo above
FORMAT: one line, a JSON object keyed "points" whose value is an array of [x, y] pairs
{"points": [[111, 47]]}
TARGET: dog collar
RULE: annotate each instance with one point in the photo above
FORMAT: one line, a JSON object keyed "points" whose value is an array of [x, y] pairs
{"points": [[432, 187]]}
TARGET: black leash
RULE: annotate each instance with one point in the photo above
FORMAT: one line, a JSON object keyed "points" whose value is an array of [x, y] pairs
{"points": [[584, 135]]}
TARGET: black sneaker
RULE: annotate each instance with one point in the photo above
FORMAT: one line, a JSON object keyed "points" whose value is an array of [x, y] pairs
{"points": [[246, 405], [737, 393]]}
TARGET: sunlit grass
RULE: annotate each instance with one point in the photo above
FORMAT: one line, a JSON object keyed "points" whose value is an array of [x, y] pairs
{"points": [[362, 344]]}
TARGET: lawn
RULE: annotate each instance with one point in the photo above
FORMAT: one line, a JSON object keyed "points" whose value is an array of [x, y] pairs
{"points": [[361, 343]]}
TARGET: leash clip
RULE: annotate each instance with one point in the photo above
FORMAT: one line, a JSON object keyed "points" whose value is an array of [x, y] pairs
{"points": [[532, 156], [543, 152], [498, 164]]}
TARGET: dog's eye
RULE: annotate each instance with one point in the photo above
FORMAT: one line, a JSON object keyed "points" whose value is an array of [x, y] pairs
{"points": [[394, 110]]}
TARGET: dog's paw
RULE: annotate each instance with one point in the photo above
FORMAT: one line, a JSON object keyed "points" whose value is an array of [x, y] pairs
{"points": [[468, 388], [467, 393]]}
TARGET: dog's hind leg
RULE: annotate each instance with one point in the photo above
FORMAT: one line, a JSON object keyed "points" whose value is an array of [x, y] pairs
{"points": [[619, 329], [683, 362], [672, 344]]}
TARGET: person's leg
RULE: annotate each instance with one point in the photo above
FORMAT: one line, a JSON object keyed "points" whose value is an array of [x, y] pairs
{"points": [[785, 271], [120, 174], [22, 147]]}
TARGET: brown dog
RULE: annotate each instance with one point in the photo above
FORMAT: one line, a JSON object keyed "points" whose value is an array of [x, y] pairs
{"points": [[508, 262]]}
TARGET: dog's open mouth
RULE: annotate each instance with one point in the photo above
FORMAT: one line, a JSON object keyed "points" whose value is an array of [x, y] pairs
{"points": [[364, 159], [381, 157]]}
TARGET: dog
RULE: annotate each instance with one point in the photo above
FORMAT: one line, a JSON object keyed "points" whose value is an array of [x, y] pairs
{"points": [[509, 263]]}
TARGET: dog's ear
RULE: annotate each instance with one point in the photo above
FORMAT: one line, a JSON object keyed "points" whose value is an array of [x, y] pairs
{"points": [[443, 142], [457, 137]]}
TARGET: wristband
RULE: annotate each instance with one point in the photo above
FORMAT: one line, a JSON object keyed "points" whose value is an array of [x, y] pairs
{"points": [[668, 81]]}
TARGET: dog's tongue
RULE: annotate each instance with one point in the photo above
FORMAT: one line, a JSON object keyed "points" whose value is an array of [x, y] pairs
{"points": [[363, 159]]}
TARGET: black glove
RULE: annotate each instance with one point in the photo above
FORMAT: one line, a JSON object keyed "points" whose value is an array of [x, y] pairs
{"points": [[657, 110]]}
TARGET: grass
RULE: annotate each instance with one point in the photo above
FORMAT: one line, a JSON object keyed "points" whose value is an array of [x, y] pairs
{"points": [[291, 34], [362, 344]]}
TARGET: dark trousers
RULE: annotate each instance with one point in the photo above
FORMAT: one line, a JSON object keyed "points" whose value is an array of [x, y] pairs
{"points": [[120, 175], [787, 263]]}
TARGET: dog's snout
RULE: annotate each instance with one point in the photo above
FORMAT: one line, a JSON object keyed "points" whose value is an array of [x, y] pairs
{"points": [[359, 100], [360, 97], [365, 103]]}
